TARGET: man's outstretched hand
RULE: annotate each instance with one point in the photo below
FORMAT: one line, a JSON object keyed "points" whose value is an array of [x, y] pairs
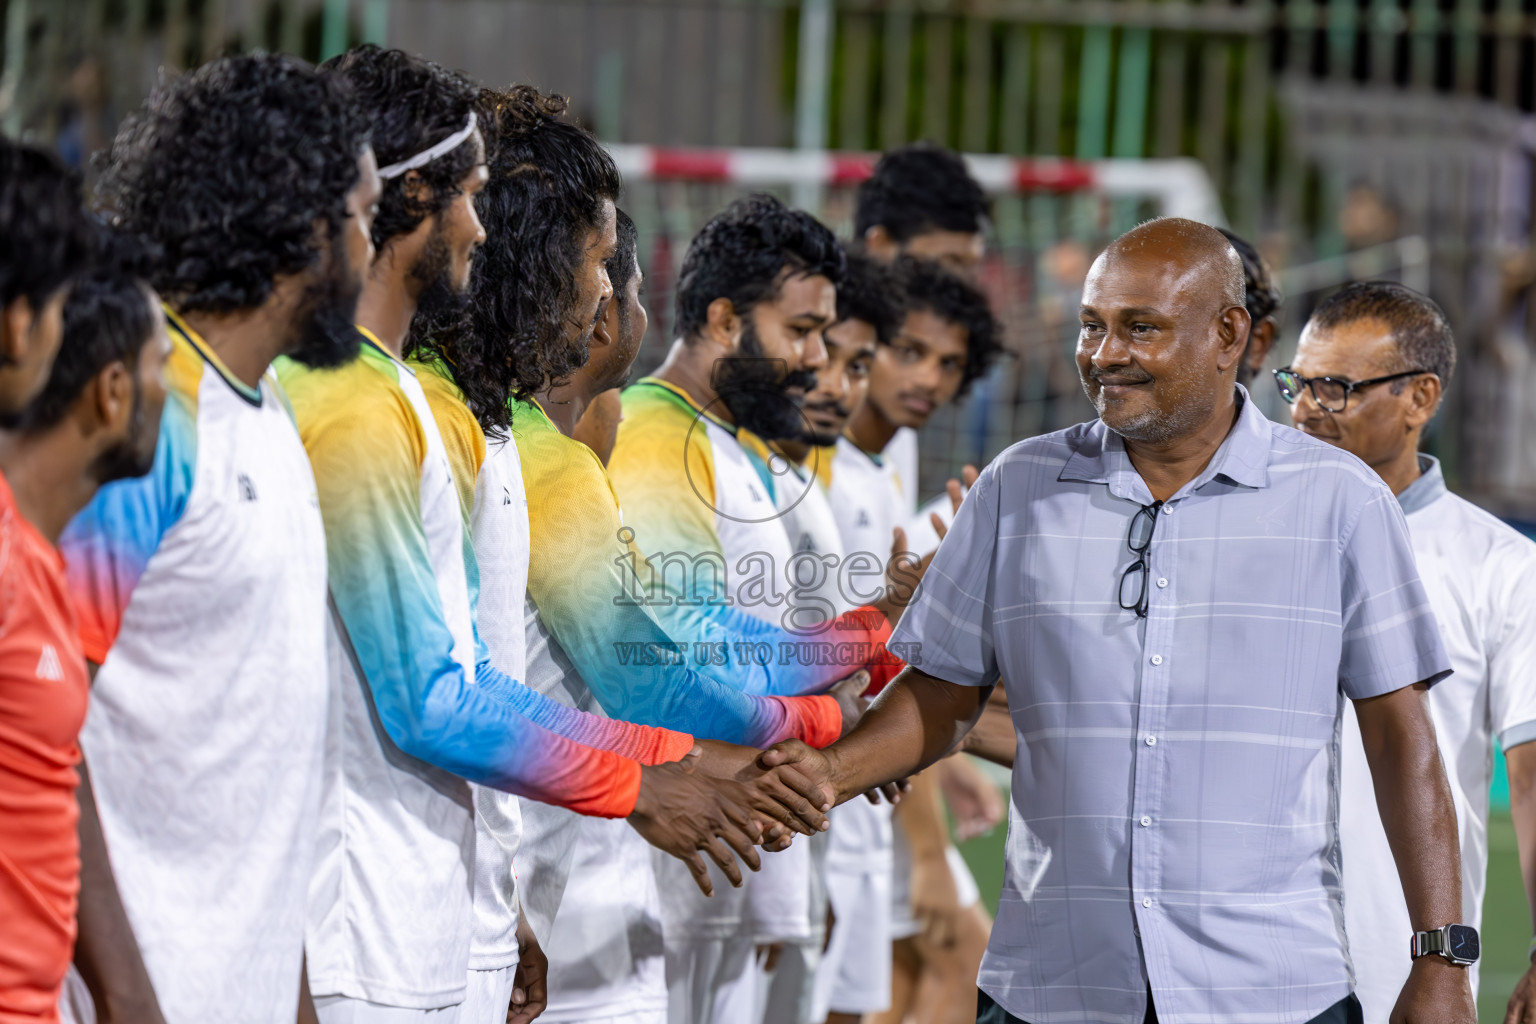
{"points": [[683, 812], [806, 761]]}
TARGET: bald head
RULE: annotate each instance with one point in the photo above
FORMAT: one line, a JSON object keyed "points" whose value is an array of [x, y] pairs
{"points": [[1199, 253], [1163, 329]]}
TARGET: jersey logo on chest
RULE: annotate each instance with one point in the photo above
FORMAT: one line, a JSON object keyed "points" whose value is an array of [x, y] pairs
{"points": [[48, 665]]}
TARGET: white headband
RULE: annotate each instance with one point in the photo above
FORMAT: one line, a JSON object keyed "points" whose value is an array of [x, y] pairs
{"points": [[426, 156]]}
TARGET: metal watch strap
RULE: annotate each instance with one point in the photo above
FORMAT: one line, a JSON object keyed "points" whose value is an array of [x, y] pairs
{"points": [[1426, 943]]}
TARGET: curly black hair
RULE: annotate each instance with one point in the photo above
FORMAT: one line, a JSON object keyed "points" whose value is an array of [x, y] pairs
{"points": [[549, 180], [108, 316], [868, 293], [920, 188], [227, 170], [743, 255], [1261, 292], [411, 105], [923, 285], [1420, 331], [45, 234]]}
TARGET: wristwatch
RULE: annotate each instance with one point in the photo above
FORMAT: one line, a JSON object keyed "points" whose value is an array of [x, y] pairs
{"points": [[1458, 943]]}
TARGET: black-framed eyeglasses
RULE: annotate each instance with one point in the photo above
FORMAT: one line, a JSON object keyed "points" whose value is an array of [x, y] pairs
{"points": [[1139, 540], [1330, 393]]}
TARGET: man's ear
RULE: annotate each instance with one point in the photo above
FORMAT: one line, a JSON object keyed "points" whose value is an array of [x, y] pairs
{"points": [[16, 322], [723, 325], [880, 244], [108, 401], [1232, 332], [603, 332], [1424, 394], [1261, 339], [416, 188]]}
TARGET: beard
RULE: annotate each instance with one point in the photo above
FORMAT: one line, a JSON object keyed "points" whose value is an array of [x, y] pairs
{"points": [[328, 335], [756, 389], [135, 454], [440, 301]]}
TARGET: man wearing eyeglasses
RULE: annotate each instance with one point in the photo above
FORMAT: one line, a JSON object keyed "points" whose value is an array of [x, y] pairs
{"points": [[1368, 376], [1179, 597]]}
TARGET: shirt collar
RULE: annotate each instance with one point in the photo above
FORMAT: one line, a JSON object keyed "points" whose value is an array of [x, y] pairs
{"points": [[1426, 490], [1243, 457], [373, 339]]}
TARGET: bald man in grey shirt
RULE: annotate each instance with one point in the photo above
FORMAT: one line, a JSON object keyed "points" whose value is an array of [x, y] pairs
{"points": [[1179, 595]]}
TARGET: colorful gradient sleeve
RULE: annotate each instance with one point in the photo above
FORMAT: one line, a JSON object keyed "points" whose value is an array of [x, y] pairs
{"points": [[367, 447], [637, 671], [107, 546], [464, 442], [660, 466]]}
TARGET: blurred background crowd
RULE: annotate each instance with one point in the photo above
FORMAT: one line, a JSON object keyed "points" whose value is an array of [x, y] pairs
{"points": [[1348, 139]]}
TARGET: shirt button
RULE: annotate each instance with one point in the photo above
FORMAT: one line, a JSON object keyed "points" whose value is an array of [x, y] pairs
{"points": [[1157, 659], [1146, 822], [1162, 582], [1146, 901], [1167, 510], [1151, 741]]}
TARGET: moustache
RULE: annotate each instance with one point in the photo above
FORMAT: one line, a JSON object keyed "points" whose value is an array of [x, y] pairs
{"points": [[1117, 377], [799, 380]]}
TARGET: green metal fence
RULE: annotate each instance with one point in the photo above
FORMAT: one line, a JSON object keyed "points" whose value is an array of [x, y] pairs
{"points": [[1327, 125]]}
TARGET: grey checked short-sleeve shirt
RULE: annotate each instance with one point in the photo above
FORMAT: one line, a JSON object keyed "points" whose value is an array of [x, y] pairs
{"points": [[1174, 820]]}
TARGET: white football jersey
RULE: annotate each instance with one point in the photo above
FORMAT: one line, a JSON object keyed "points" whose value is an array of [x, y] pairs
{"points": [[202, 594], [499, 526]]}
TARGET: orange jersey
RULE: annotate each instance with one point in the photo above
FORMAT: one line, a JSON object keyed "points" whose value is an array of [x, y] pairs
{"points": [[43, 693]]}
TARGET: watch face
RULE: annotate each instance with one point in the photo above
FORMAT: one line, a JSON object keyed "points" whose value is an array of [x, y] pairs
{"points": [[1462, 942]]}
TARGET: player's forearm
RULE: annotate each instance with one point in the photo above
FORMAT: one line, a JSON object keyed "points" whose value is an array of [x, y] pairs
{"points": [[1414, 796], [639, 674], [106, 951], [994, 737], [1521, 761], [914, 722], [643, 743]]}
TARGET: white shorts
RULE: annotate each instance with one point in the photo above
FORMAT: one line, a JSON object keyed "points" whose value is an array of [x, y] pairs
{"points": [[786, 996], [346, 1010], [903, 924], [486, 996], [711, 981], [606, 952], [855, 971]]}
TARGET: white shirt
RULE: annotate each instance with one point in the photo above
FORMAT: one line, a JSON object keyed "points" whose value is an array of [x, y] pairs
{"points": [[868, 500], [750, 533], [206, 724], [787, 904], [499, 526], [1481, 578], [391, 901]]}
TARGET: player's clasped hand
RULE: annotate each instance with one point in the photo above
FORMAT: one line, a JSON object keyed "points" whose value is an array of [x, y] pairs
{"points": [[683, 812], [785, 796]]}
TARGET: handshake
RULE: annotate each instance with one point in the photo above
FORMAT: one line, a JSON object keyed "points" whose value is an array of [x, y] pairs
{"points": [[723, 797]]}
